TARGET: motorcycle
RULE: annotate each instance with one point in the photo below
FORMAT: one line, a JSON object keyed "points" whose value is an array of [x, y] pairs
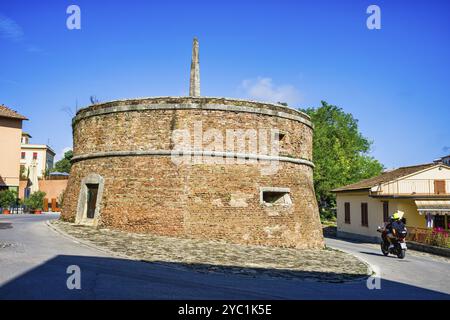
{"points": [[394, 242]]}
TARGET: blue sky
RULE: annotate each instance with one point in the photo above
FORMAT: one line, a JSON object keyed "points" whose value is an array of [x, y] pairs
{"points": [[395, 81]]}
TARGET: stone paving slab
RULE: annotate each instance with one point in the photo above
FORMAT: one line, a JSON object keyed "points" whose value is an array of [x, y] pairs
{"points": [[220, 257]]}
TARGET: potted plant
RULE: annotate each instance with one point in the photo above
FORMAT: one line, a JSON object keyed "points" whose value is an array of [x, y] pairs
{"points": [[35, 201], [7, 199]]}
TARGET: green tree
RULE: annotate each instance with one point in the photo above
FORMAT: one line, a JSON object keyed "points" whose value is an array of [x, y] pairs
{"points": [[36, 200], [340, 152], [64, 164], [7, 198]]}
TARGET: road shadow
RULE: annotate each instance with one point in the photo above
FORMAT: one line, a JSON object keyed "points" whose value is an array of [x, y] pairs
{"points": [[350, 240], [114, 278], [329, 231], [374, 254], [5, 225], [381, 255]]}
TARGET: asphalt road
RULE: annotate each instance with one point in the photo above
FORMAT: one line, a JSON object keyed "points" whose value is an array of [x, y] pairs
{"points": [[34, 260], [418, 269]]}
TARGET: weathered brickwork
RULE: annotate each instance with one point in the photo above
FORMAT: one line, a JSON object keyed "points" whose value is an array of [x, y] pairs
{"points": [[152, 194]]}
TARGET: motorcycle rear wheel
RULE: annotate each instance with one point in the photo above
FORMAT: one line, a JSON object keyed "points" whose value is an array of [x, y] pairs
{"points": [[402, 254]]}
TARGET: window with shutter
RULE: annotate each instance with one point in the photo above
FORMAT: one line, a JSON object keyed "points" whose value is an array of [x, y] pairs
{"points": [[347, 212], [364, 215], [385, 211], [439, 187]]}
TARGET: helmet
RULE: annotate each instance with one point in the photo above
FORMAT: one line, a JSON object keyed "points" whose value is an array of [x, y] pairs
{"points": [[395, 216]]}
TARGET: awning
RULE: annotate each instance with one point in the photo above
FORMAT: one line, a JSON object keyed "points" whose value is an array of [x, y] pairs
{"points": [[433, 206]]}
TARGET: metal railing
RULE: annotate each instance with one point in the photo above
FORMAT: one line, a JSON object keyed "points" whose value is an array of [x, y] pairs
{"points": [[16, 209], [429, 236]]}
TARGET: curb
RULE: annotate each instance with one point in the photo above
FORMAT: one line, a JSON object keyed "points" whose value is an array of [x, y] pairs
{"points": [[416, 246], [370, 268]]}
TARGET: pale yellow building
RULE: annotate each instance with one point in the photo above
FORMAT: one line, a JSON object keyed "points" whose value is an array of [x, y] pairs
{"points": [[10, 137], [41, 154], [422, 192]]}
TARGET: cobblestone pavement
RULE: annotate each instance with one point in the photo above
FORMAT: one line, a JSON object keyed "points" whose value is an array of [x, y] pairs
{"points": [[220, 257]]}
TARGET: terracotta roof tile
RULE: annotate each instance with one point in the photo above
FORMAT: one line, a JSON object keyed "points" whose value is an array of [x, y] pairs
{"points": [[8, 113], [384, 177]]}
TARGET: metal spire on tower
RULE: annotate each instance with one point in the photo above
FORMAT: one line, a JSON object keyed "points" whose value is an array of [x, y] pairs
{"points": [[194, 84]]}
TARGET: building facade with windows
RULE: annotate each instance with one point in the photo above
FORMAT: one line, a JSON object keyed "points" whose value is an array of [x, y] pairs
{"points": [[42, 154], [10, 135], [422, 192]]}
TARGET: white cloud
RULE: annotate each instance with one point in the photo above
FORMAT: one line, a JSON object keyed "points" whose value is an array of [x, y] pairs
{"points": [[34, 49], [9, 81], [60, 155], [264, 89], [9, 29]]}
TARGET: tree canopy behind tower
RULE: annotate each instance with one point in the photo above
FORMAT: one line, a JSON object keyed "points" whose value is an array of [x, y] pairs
{"points": [[340, 152], [64, 164]]}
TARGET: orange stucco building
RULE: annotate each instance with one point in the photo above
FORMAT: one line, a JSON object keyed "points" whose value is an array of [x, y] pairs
{"points": [[10, 137]]}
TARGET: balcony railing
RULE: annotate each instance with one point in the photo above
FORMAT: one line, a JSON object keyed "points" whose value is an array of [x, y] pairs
{"points": [[415, 187]]}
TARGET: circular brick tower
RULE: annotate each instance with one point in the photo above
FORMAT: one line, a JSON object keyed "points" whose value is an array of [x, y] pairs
{"points": [[198, 167]]}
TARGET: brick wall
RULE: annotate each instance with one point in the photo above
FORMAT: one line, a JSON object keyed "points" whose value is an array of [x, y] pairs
{"points": [[151, 193]]}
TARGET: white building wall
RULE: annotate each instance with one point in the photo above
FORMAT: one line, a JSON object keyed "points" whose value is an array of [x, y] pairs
{"points": [[42, 158]]}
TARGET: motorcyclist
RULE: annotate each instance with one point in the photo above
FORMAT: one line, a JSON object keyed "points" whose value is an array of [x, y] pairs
{"points": [[394, 223]]}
